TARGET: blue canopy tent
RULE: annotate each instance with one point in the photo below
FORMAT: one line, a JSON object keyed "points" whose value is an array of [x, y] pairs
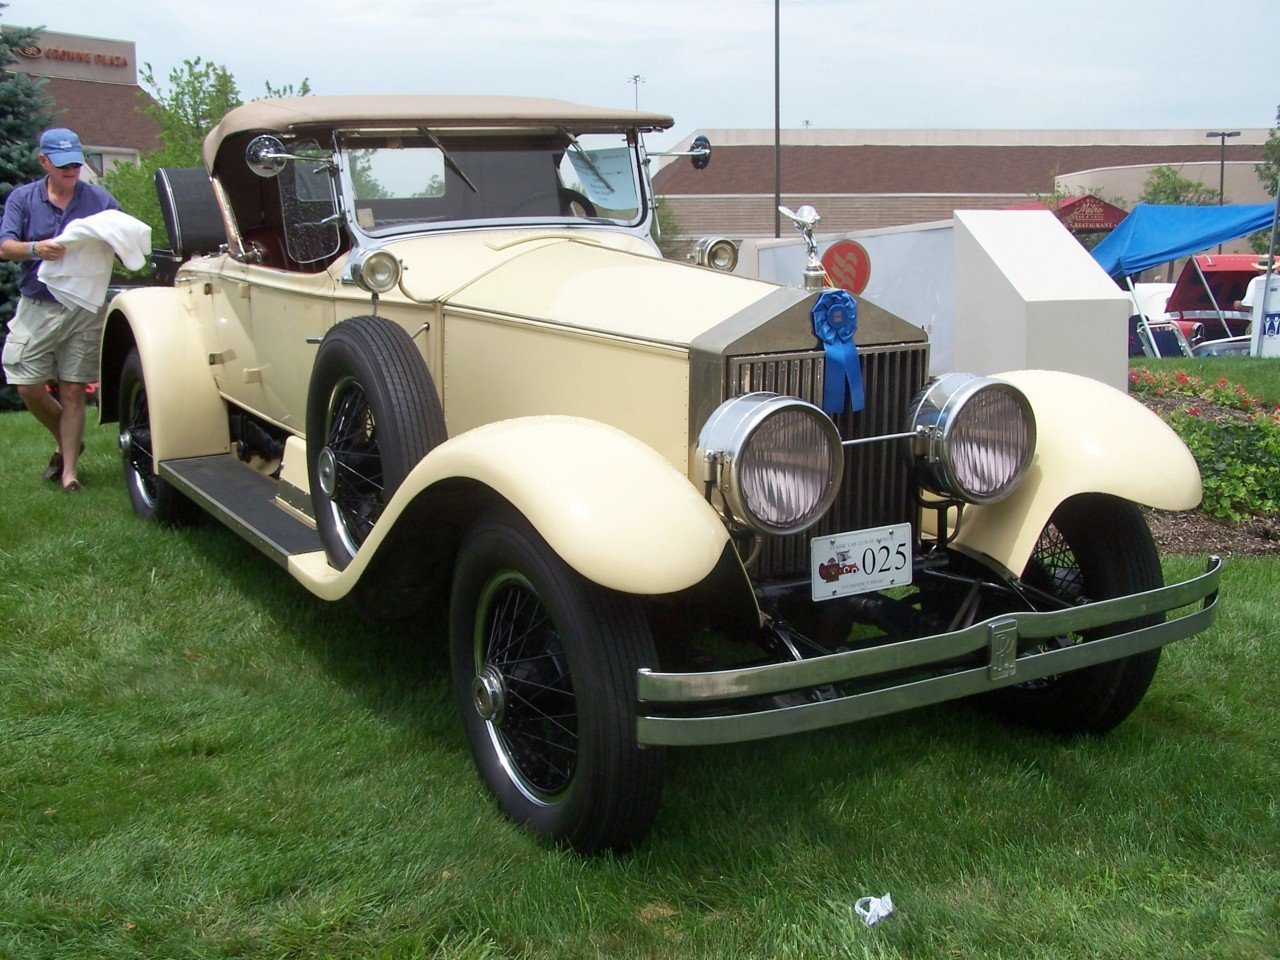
{"points": [[1153, 234]]}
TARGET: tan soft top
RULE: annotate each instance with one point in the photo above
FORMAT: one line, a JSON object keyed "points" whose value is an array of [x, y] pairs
{"points": [[280, 116]]}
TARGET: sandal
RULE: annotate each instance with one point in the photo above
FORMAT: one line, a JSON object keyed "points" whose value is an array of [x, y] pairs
{"points": [[75, 486]]}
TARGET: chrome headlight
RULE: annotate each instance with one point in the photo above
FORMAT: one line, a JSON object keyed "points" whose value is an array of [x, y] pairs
{"points": [[979, 435], [374, 270], [777, 461], [717, 253]]}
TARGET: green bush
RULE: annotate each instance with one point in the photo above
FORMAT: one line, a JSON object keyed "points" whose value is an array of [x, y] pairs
{"points": [[1239, 462], [24, 112], [1233, 436]]}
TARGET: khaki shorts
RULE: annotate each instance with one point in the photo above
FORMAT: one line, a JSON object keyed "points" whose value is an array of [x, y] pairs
{"points": [[48, 341]]}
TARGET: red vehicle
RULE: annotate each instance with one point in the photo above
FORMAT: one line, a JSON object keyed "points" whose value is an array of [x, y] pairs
{"points": [[1206, 293]]}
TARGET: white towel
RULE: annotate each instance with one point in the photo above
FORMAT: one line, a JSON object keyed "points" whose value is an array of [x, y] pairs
{"points": [[80, 277]]}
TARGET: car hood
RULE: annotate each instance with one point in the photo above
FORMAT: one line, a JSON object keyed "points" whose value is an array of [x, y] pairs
{"points": [[592, 280]]}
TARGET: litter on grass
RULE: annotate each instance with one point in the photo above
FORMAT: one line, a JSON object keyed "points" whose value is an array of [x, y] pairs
{"points": [[874, 909]]}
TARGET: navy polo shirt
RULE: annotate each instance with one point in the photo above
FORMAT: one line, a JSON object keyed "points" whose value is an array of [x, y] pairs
{"points": [[29, 216]]}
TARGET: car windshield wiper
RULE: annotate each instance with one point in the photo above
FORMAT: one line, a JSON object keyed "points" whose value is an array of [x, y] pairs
{"points": [[573, 142], [448, 158]]}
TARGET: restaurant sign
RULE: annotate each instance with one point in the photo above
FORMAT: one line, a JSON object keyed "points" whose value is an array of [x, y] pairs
{"points": [[1087, 213]]}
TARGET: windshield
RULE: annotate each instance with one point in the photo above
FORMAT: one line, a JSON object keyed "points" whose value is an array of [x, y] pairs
{"points": [[306, 204], [399, 182]]}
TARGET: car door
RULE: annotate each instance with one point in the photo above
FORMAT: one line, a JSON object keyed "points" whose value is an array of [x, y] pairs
{"points": [[291, 293], [290, 314], [233, 357]]}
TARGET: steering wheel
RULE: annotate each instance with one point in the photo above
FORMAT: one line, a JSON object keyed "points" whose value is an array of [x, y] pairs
{"points": [[575, 204]]}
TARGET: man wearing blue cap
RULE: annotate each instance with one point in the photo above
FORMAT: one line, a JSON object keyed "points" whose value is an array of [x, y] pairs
{"points": [[47, 340]]}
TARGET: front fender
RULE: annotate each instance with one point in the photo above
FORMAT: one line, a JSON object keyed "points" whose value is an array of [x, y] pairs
{"points": [[611, 507], [188, 417], [1091, 438]]}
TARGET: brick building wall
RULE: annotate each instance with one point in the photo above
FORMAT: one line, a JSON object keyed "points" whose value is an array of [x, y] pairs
{"points": [[870, 179]]}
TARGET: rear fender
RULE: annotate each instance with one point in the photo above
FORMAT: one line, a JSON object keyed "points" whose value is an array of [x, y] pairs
{"points": [[188, 416], [1091, 438]]}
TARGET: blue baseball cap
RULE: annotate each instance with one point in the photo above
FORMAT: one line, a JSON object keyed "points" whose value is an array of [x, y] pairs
{"points": [[61, 146]]}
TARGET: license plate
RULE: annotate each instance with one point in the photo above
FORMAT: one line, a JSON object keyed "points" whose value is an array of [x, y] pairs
{"points": [[860, 561]]}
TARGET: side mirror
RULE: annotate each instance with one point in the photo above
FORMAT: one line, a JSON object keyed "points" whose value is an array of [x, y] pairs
{"points": [[266, 155], [699, 152], [700, 155]]}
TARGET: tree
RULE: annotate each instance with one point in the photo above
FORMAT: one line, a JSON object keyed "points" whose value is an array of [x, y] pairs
{"points": [[367, 186], [1064, 192], [1166, 185], [1268, 173], [24, 112], [1269, 169], [673, 240], [198, 95]]}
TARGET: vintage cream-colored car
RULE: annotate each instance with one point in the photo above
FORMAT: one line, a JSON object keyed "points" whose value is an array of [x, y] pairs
{"points": [[426, 346]]}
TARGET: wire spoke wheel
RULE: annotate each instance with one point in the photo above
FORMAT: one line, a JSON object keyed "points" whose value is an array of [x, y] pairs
{"points": [[372, 414], [151, 497], [351, 443], [1055, 572], [1094, 547], [1054, 569], [135, 441], [535, 728], [544, 669]]}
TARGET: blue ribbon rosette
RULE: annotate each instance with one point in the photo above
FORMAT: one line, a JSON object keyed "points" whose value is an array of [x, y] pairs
{"points": [[835, 321]]}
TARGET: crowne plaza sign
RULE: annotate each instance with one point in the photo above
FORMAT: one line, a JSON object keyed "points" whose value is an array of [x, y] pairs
{"points": [[75, 57]]}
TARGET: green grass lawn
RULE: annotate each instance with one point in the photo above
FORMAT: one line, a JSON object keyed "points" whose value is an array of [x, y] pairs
{"points": [[199, 759]]}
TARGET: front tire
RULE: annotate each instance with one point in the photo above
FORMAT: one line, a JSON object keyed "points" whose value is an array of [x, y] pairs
{"points": [[544, 669], [151, 497], [1094, 547]]}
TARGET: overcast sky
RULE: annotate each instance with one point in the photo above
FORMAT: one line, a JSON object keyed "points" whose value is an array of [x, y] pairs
{"points": [[709, 63]]}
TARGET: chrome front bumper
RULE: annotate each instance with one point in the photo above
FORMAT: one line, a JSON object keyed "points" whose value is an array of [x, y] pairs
{"points": [[664, 695]]}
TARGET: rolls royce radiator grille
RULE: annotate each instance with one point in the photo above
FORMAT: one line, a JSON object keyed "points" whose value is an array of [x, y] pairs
{"points": [[877, 487]]}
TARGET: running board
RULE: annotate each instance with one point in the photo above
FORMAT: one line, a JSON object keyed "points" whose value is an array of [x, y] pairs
{"points": [[245, 501]]}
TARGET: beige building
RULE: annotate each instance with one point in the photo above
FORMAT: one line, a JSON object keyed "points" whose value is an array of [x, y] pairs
{"points": [[867, 179], [93, 83]]}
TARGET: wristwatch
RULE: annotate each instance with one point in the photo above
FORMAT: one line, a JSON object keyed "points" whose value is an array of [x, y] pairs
{"points": [[33, 251]]}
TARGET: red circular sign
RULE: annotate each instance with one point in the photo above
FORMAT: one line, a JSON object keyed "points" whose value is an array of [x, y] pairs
{"points": [[848, 265]]}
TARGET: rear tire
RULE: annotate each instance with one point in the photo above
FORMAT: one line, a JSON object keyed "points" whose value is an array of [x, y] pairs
{"points": [[151, 497], [544, 669], [1093, 548]]}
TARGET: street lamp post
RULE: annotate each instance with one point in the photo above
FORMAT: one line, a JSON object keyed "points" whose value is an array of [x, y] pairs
{"points": [[1222, 163], [1222, 158], [635, 79], [777, 117]]}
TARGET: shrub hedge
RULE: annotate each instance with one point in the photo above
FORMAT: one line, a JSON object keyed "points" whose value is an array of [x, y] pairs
{"points": [[1233, 435]]}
